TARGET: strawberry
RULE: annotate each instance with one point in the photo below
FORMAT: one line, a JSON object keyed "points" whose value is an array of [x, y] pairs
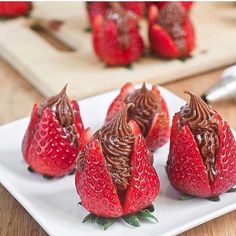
{"points": [[171, 32], [50, 144], [99, 8], [150, 112], [115, 176], [187, 5], [202, 153], [15, 9], [116, 38]]}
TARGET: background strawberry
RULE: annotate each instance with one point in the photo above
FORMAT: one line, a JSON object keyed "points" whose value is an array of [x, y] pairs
{"points": [[14, 9], [107, 42], [162, 42]]}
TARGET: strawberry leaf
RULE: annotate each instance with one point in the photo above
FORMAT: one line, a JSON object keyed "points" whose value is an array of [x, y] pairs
{"points": [[109, 223], [88, 29], [146, 214], [105, 222], [129, 66], [231, 190], [132, 220], [185, 197], [89, 218], [214, 199], [151, 208]]}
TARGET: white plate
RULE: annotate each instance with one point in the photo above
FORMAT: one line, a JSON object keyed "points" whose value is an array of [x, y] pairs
{"points": [[54, 203]]}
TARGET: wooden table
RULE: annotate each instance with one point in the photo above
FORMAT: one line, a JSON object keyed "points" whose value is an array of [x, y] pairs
{"points": [[17, 98]]}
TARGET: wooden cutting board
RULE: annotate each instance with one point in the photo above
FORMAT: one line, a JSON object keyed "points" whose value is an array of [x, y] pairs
{"points": [[49, 69]]}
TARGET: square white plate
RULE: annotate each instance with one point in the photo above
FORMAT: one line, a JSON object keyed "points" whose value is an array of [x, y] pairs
{"points": [[53, 203]]}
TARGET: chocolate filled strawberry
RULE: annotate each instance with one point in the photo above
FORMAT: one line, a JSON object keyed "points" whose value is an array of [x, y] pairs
{"points": [[171, 32], [115, 177], [15, 9], [202, 157], [116, 37], [50, 144], [150, 112]]}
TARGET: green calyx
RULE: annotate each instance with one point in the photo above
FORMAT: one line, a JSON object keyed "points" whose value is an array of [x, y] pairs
{"points": [[232, 190], [133, 220]]}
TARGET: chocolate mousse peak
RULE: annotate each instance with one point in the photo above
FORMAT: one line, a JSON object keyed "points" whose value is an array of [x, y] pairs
{"points": [[62, 107], [117, 140]]}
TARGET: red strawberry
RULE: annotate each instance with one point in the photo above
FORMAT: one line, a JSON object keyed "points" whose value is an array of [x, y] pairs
{"points": [[150, 112], [202, 153], [99, 8], [114, 175], [171, 32], [50, 144], [117, 41], [14, 9]]}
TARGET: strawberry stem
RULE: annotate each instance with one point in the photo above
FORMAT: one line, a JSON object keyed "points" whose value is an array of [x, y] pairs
{"points": [[214, 199], [129, 66], [185, 197], [133, 219], [231, 190], [88, 29]]}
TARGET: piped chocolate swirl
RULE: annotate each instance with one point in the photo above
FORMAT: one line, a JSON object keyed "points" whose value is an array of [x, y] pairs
{"points": [[117, 140], [171, 18], [61, 105], [202, 121], [146, 107], [121, 17]]}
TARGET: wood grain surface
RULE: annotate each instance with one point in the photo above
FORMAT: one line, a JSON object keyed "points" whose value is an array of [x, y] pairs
{"points": [[17, 99]]}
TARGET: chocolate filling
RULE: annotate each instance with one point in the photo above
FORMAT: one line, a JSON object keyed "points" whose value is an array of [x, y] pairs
{"points": [[117, 140], [146, 107], [171, 18], [121, 17], [61, 106], [202, 121]]}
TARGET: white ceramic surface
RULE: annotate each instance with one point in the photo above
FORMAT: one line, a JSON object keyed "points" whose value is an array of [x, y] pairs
{"points": [[54, 203]]}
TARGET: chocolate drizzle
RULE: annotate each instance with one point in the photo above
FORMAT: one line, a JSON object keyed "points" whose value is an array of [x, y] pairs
{"points": [[202, 122], [146, 106], [61, 105], [121, 17], [117, 140], [171, 18]]}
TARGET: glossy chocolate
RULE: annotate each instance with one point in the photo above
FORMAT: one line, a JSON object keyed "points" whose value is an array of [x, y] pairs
{"points": [[61, 106], [203, 123], [146, 107], [117, 140]]}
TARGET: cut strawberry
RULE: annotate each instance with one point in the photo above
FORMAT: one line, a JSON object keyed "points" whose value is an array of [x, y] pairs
{"points": [[115, 176], [153, 119], [144, 183], [95, 186], [117, 41], [50, 145], [202, 153], [171, 32]]}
